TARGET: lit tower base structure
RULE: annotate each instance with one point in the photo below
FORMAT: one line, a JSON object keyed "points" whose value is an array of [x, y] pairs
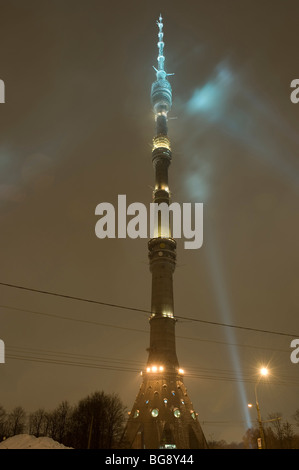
{"points": [[162, 415]]}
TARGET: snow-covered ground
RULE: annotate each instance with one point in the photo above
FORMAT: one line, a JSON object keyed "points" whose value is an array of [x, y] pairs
{"points": [[25, 441]]}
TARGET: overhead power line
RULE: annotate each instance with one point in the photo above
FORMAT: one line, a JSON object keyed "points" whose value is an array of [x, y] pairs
{"points": [[138, 330], [79, 320], [124, 307], [204, 374], [137, 365], [72, 297]]}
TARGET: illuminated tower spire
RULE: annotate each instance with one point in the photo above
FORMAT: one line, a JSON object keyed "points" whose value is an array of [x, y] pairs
{"points": [[161, 94], [162, 248], [162, 415], [161, 57]]}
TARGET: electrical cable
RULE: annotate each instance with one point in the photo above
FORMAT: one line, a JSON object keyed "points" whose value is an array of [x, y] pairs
{"points": [[106, 304]]}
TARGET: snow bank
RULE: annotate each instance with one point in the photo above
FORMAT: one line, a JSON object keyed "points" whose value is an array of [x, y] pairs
{"points": [[25, 441]]}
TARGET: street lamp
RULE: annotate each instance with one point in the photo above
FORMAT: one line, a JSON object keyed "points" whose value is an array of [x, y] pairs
{"points": [[263, 373]]}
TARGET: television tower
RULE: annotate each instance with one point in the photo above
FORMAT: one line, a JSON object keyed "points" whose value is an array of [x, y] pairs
{"points": [[162, 415]]}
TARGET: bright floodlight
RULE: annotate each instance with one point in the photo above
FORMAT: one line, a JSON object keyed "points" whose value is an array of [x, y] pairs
{"points": [[264, 371]]}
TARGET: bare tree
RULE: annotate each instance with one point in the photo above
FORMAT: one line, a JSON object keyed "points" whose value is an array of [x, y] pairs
{"points": [[296, 417], [279, 434], [250, 438], [56, 423], [37, 422], [51, 425], [97, 422], [3, 423], [276, 425], [16, 421], [288, 435], [62, 416], [115, 420]]}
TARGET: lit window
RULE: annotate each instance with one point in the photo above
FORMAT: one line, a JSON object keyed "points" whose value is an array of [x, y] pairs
{"points": [[161, 187], [136, 414], [161, 141], [193, 415], [155, 412], [161, 113], [155, 369], [167, 314], [177, 413], [165, 401]]}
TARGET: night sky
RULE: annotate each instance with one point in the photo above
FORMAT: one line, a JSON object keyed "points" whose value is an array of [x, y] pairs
{"points": [[76, 130]]}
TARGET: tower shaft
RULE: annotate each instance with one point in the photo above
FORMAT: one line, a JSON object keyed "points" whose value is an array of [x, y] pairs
{"points": [[162, 415]]}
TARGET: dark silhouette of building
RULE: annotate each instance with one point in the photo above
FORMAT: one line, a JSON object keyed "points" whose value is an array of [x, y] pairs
{"points": [[162, 415]]}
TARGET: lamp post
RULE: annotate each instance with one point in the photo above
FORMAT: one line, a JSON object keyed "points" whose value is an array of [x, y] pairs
{"points": [[263, 373]]}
